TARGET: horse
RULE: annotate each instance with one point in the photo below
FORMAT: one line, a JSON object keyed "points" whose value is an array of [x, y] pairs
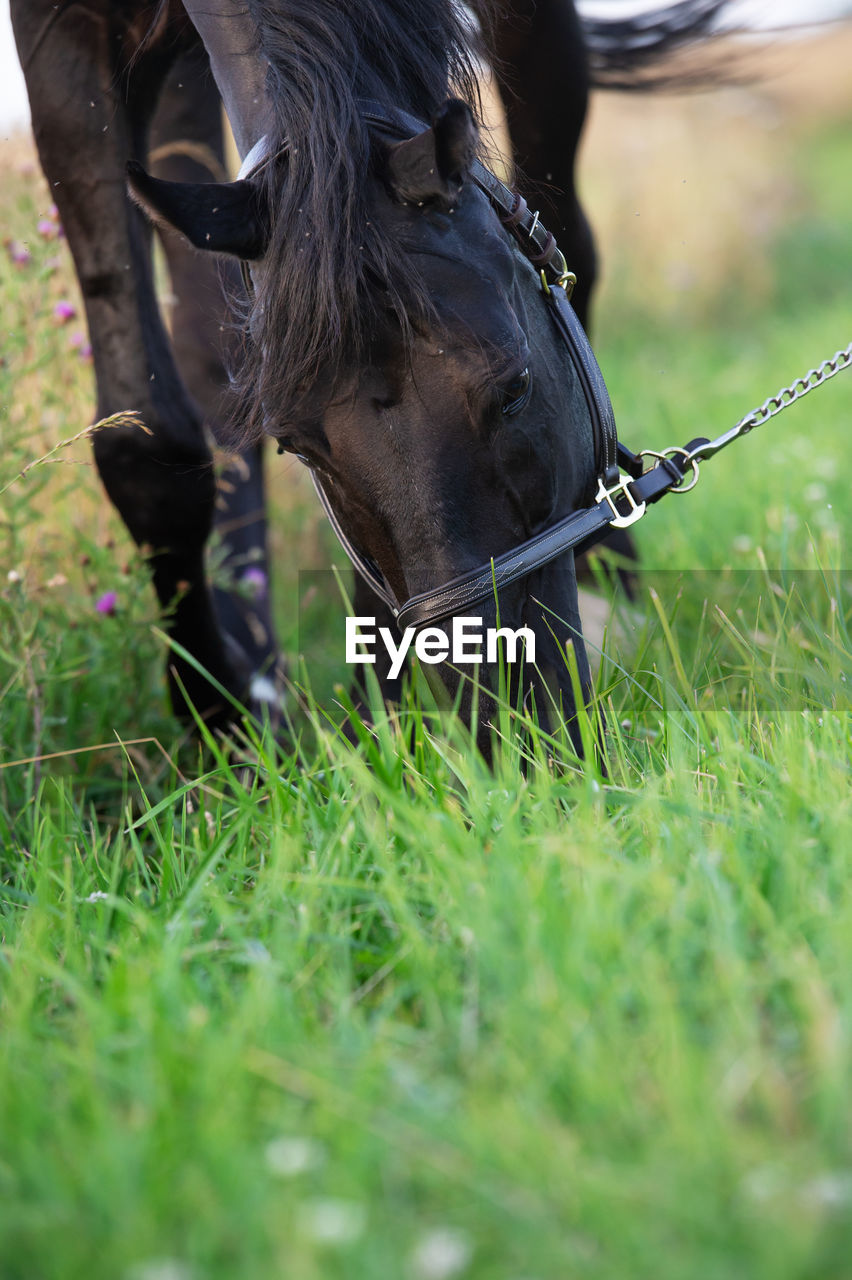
{"points": [[392, 333]]}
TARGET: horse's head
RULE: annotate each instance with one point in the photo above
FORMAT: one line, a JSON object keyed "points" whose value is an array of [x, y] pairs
{"points": [[454, 427]]}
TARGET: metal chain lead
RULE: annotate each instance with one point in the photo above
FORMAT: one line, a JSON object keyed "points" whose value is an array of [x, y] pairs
{"points": [[789, 395], [782, 400]]}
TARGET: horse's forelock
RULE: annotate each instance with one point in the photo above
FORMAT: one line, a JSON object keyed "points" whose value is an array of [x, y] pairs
{"points": [[324, 248]]}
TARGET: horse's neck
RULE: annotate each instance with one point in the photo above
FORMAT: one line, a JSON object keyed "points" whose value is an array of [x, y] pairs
{"points": [[226, 29]]}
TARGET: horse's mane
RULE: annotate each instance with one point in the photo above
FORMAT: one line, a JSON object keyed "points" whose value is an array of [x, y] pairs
{"points": [[323, 56]]}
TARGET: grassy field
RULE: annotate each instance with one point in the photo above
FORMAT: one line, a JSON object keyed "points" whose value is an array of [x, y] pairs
{"points": [[377, 1013]]}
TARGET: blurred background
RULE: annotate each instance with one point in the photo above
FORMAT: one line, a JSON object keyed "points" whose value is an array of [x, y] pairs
{"points": [[759, 14]]}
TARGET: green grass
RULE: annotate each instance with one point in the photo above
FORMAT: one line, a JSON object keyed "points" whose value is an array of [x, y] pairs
{"points": [[376, 1012]]}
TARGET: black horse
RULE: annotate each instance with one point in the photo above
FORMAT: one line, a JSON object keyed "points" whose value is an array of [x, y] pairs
{"points": [[395, 337]]}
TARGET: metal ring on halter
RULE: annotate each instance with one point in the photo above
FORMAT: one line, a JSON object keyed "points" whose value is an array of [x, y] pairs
{"points": [[565, 279], [670, 452]]}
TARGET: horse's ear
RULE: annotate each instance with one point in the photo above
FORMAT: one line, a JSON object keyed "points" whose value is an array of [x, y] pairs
{"points": [[226, 217], [432, 164]]}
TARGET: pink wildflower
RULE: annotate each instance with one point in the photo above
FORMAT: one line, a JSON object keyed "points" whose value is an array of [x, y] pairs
{"points": [[107, 603], [47, 229], [64, 311], [255, 581], [18, 252], [79, 342]]}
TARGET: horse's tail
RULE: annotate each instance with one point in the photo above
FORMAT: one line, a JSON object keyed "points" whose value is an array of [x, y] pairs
{"points": [[638, 52]]}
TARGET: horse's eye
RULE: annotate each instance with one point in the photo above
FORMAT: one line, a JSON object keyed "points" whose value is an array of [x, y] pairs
{"points": [[286, 445], [517, 392]]}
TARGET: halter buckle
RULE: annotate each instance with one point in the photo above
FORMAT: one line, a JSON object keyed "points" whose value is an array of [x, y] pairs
{"points": [[565, 279], [620, 490]]}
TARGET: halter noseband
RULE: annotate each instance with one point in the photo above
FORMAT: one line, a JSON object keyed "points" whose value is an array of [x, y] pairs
{"points": [[620, 500]]}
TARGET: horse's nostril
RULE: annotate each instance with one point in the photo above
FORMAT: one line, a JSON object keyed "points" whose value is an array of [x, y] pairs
{"points": [[381, 405]]}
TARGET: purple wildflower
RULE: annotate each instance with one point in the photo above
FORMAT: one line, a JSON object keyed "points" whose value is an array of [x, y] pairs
{"points": [[64, 311], [79, 342], [47, 230], [19, 253], [53, 215], [255, 581], [107, 603]]}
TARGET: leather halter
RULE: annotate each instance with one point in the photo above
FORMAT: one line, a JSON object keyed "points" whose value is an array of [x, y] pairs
{"points": [[619, 500]]}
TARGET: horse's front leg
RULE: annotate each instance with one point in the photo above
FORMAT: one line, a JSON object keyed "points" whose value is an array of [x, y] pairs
{"points": [[187, 145], [87, 124]]}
